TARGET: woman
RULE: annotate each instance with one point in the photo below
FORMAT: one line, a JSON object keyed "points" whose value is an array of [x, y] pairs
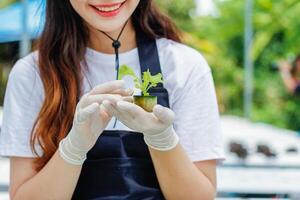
{"points": [[80, 152], [290, 75]]}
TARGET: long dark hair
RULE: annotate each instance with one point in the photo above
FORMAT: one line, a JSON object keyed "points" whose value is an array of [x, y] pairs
{"points": [[61, 48]]}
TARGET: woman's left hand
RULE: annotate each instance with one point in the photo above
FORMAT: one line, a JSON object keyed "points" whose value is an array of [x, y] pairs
{"points": [[157, 126]]}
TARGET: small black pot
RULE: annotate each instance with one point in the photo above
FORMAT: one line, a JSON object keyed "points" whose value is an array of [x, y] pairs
{"points": [[146, 102]]}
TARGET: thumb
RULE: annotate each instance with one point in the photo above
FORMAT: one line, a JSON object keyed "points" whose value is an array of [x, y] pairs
{"points": [[87, 112], [164, 114]]}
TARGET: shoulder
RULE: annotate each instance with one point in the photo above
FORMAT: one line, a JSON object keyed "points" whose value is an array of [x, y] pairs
{"points": [[181, 57], [24, 76], [181, 66], [24, 96], [25, 67]]}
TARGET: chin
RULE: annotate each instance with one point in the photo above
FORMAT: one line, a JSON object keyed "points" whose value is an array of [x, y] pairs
{"points": [[109, 27]]}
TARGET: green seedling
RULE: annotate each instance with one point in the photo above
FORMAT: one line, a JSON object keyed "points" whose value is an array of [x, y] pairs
{"points": [[148, 81]]}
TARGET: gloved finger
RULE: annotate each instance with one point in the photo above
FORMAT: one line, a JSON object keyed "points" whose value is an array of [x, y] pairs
{"points": [[82, 99], [110, 108], [108, 87], [132, 109], [85, 113], [107, 107], [99, 98], [104, 112], [164, 114], [123, 92], [114, 101], [128, 99]]}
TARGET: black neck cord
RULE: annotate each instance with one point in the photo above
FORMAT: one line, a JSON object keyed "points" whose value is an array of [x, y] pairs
{"points": [[116, 45]]}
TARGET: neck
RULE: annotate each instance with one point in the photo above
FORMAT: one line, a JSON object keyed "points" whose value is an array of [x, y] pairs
{"points": [[100, 42]]}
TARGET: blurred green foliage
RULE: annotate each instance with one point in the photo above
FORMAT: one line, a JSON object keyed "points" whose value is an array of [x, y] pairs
{"points": [[220, 39], [4, 3]]}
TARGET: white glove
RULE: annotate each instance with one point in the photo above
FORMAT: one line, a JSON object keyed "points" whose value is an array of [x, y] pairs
{"points": [[157, 127], [90, 119]]}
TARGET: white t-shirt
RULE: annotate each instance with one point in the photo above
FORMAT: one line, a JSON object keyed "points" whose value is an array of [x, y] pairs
{"points": [[187, 77]]}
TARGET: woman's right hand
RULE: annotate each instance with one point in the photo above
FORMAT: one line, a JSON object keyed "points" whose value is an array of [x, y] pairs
{"points": [[90, 119]]}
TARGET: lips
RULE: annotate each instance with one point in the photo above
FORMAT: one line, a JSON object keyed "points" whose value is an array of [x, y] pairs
{"points": [[107, 8]]}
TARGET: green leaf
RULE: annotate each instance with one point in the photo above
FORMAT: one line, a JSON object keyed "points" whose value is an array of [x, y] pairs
{"points": [[148, 81], [124, 70]]}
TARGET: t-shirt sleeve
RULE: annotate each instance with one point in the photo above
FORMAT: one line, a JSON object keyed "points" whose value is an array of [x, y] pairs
{"points": [[197, 117], [22, 102]]}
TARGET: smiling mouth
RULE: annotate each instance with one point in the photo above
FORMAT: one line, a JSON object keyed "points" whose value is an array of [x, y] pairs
{"points": [[107, 8]]}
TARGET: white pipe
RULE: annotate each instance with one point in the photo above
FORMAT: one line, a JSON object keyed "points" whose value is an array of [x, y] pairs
{"points": [[25, 44], [248, 63]]}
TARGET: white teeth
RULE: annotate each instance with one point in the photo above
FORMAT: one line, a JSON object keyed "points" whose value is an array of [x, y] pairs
{"points": [[108, 9]]}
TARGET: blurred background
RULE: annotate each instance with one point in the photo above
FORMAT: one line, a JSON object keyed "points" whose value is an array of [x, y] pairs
{"points": [[251, 46]]}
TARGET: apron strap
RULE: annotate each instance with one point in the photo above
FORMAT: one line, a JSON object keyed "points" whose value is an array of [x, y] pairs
{"points": [[148, 54]]}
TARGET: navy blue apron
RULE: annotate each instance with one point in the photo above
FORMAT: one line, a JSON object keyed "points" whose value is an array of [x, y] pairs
{"points": [[119, 166]]}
